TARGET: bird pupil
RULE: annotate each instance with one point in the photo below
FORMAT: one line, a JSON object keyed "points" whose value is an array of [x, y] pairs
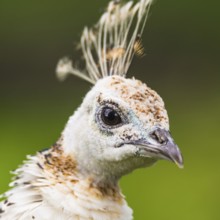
{"points": [[110, 116]]}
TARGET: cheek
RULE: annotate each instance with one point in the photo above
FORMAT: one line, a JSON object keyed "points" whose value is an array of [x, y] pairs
{"points": [[129, 134], [100, 140], [125, 152]]}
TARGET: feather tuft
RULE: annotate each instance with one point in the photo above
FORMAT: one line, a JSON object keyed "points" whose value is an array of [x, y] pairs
{"points": [[108, 47]]}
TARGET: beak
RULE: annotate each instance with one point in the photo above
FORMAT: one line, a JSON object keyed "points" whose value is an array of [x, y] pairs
{"points": [[159, 144]]}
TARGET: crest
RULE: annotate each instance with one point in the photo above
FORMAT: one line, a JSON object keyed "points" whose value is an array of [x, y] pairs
{"points": [[109, 46]]}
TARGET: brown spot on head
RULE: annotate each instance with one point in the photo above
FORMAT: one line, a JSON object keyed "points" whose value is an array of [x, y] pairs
{"points": [[114, 53], [138, 47], [145, 102]]}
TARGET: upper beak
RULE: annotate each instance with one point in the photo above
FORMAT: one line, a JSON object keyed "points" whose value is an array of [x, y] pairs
{"points": [[160, 145]]}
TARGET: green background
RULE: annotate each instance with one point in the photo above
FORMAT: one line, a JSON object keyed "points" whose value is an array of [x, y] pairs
{"points": [[182, 63]]}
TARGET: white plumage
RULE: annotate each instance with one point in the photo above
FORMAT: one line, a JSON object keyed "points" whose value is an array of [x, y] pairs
{"points": [[121, 125], [109, 46]]}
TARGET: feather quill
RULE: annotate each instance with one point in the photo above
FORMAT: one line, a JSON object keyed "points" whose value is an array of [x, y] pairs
{"points": [[109, 46]]}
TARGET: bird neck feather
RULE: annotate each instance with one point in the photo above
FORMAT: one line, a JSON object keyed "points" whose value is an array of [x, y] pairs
{"points": [[52, 176]]}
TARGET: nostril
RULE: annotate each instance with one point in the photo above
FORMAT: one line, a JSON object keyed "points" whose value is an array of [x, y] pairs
{"points": [[154, 136], [160, 136]]}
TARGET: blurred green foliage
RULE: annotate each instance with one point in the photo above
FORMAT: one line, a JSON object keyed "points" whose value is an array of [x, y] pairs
{"points": [[182, 41]]}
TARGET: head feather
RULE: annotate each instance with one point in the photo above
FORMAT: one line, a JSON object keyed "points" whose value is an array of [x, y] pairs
{"points": [[108, 47]]}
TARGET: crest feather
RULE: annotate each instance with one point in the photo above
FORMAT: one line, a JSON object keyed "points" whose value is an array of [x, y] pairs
{"points": [[109, 46]]}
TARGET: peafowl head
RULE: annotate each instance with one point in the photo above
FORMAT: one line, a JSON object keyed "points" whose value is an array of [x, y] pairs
{"points": [[122, 124]]}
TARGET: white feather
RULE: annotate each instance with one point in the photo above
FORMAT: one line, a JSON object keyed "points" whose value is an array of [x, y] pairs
{"points": [[116, 31]]}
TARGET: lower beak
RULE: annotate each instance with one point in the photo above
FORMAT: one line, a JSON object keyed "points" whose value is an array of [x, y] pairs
{"points": [[171, 152]]}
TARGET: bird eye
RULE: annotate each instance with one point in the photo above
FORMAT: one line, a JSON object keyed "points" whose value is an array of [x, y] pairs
{"points": [[110, 117]]}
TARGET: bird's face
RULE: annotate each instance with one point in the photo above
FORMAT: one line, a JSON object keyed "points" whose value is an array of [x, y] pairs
{"points": [[125, 126]]}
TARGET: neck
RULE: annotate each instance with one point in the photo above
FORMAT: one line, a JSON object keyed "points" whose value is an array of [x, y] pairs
{"points": [[57, 178]]}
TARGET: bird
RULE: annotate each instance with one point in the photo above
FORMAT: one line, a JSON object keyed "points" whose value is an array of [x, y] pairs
{"points": [[121, 125]]}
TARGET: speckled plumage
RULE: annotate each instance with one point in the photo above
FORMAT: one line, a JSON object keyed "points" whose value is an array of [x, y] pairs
{"points": [[120, 126], [49, 186]]}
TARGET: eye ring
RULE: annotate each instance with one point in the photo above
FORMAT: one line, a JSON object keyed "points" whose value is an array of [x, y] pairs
{"points": [[110, 117]]}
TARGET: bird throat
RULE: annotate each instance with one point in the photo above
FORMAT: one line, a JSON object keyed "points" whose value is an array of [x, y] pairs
{"points": [[103, 198]]}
